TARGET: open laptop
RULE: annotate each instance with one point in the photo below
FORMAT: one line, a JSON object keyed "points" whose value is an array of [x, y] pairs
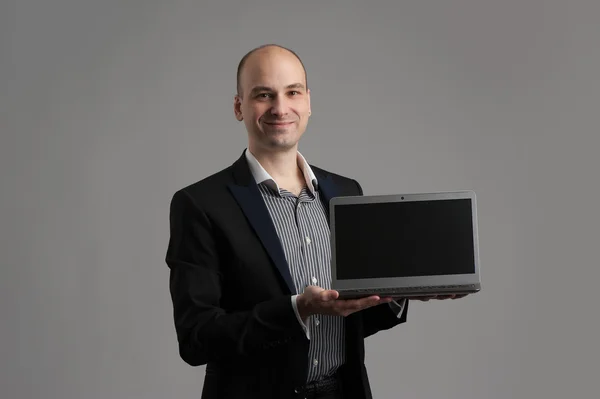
{"points": [[404, 245]]}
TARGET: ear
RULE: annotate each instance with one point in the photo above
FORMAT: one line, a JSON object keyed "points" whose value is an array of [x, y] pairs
{"points": [[308, 95], [237, 108]]}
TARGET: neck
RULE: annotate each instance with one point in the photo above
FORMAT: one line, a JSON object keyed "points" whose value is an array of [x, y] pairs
{"points": [[281, 165]]}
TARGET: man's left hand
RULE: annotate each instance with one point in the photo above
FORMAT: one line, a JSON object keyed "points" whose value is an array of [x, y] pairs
{"points": [[428, 297]]}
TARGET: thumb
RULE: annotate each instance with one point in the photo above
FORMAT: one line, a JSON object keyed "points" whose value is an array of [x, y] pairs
{"points": [[329, 295]]}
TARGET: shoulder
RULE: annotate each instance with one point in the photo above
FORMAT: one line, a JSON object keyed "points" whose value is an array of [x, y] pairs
{"points": [[208, 190], [214, 181], [346, 182]]}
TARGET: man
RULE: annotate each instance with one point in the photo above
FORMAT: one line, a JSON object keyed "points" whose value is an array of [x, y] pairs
{"points": [[249, 258]]}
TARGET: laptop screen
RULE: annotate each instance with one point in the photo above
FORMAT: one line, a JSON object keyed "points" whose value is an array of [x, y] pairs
{"points": [[404, 239]]}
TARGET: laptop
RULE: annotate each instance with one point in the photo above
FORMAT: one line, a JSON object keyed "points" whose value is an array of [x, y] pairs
{"points": [[404, 245]]}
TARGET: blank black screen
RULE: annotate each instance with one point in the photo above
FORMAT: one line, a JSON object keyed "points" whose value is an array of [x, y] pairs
{"points": [[404, 239]]}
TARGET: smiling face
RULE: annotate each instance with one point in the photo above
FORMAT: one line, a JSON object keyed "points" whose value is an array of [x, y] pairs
{"points": [[274, 102]]}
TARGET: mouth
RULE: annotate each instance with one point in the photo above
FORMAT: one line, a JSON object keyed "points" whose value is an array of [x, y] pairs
{"points": [[278, 123]]}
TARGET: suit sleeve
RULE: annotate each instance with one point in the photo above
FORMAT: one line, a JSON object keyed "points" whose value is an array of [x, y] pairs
{"points": [[381, 317], [385, 316], [205, 331]]}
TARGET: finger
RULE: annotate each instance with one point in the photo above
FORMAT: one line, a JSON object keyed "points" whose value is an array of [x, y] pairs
{"points": [[362, 303], [453, 296], [328, 295], [368, 302], [423, 298], [346, 306], [313, 290]]}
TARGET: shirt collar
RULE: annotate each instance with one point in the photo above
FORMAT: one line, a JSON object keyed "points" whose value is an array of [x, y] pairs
{"points": [[262, 176]]}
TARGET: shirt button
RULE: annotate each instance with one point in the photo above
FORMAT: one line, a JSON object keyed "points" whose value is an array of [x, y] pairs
{"points": [[317, 322], [315, 362], [308, 241], [314, 280]]}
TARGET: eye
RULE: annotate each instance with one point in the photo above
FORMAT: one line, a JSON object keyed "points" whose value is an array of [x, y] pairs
{"points": [[264, 95], [294, 92]]}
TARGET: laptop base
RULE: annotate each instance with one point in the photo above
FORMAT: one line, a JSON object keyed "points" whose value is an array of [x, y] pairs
{"points": [[407, 292]]}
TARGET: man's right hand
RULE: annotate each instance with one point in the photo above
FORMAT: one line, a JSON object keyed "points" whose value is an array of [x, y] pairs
{"points": [[316, 300]]}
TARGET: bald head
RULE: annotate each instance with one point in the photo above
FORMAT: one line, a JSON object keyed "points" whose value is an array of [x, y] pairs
{"points": [[267, 50], [272, 100]]}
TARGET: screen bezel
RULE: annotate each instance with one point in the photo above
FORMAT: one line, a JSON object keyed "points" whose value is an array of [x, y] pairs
{"points": [[394, 282]]}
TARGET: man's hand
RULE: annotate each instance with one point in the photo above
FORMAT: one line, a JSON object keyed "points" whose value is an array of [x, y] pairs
{"points": [[427, 298], [316, 300]]}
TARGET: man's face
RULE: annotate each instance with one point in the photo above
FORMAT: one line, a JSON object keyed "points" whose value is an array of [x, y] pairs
{"points": [[274, 102]]}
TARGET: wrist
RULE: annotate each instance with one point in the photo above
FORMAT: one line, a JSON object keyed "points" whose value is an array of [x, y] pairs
{"points": [[303, 308]]}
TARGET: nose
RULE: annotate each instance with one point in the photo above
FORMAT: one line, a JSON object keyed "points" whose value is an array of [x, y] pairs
{"points": [[279, 106]]}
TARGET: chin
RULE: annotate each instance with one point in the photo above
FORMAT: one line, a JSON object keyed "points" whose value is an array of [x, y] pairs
{"points": [[281, 144], [281, 135]]}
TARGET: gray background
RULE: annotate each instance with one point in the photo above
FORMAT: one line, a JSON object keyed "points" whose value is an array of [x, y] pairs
{"points": [[108, 107]]}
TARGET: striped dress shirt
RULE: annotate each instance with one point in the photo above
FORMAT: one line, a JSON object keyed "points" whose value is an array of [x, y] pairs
{"points": [[301, 223]]}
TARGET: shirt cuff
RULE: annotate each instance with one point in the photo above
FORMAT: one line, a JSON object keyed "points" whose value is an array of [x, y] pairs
{"points": [[398, 307], [304, 326]]}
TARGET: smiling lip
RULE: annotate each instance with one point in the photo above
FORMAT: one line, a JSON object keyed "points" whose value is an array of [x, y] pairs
{"points": [[279, 123]]}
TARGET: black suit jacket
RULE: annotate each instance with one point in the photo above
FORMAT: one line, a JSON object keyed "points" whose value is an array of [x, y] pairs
{"points": [[231, 290]]}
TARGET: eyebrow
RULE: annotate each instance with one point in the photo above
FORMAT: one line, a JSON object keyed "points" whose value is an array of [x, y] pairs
{"points": [[266, 88]]}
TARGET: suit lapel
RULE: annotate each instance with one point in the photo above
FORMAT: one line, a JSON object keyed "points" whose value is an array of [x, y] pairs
{"points": [[327, 189], [247, 195]]}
